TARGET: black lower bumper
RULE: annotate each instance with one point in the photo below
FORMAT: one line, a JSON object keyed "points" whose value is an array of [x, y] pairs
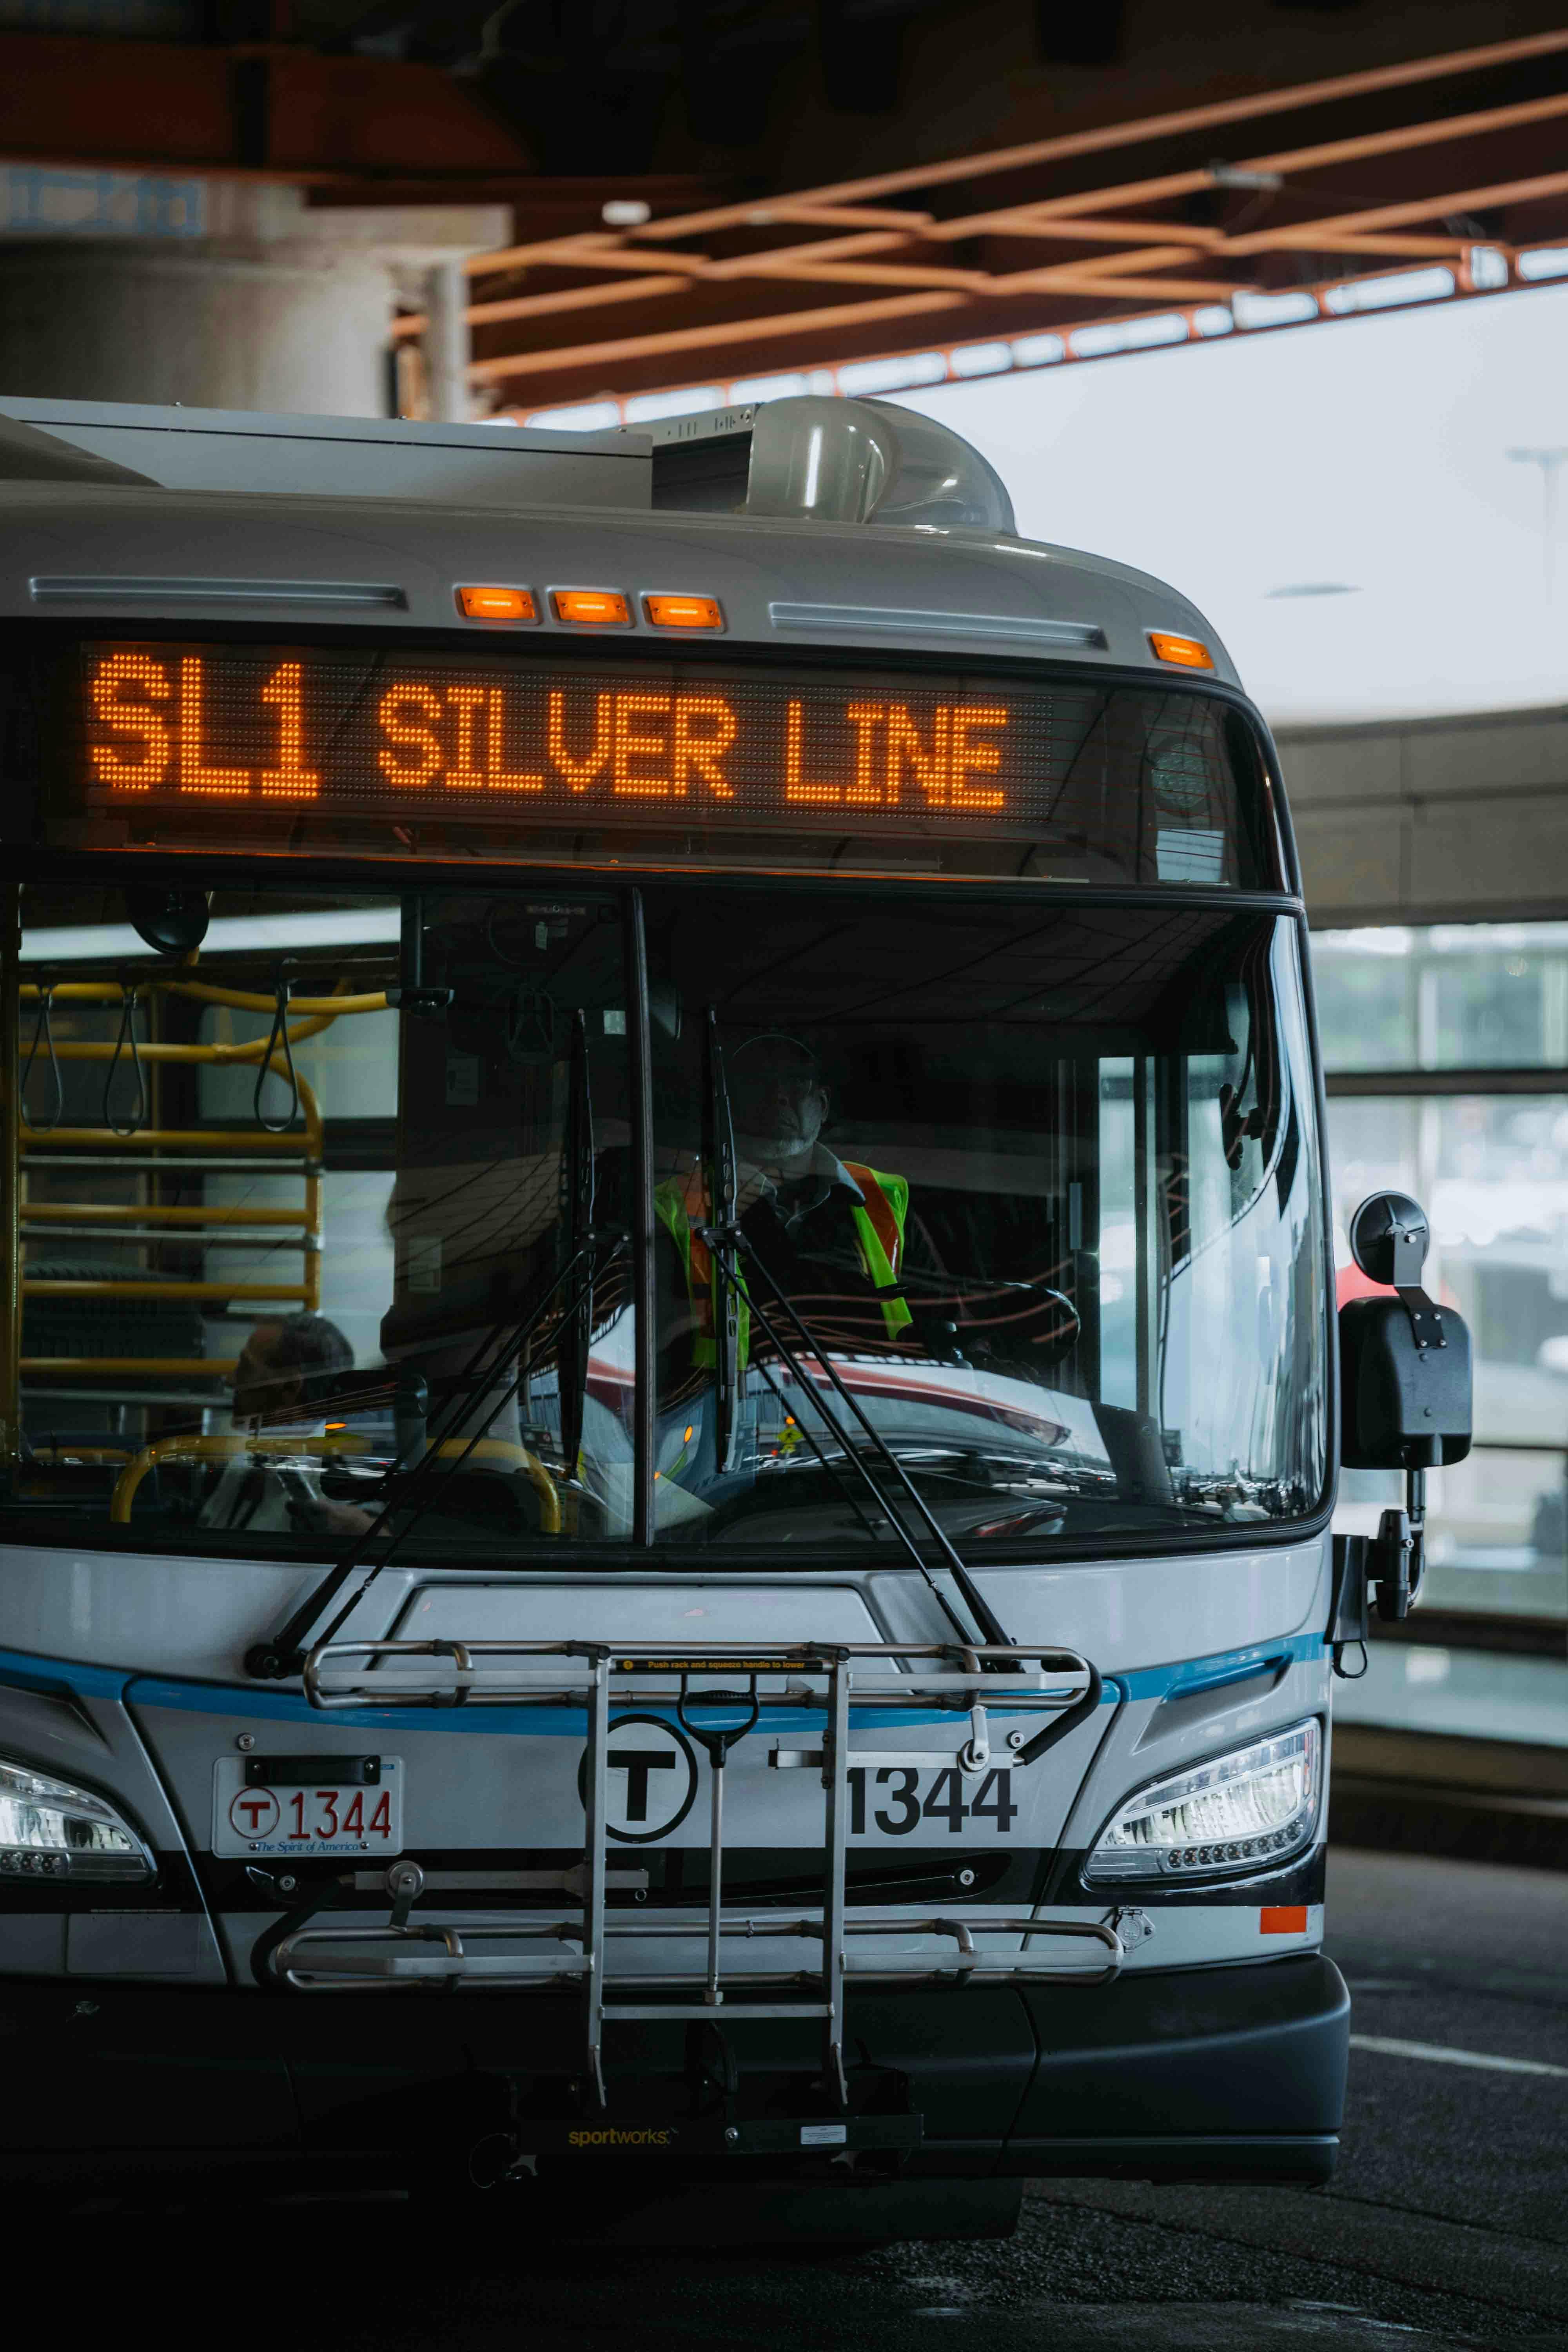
{"points": [[1193, 2074]]}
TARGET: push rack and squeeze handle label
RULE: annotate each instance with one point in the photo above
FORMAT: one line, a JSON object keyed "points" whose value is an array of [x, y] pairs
{"points": [[774, 1666]]}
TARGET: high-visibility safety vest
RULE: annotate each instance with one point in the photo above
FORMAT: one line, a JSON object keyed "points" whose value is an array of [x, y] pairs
{"points": [[879, 1221]]}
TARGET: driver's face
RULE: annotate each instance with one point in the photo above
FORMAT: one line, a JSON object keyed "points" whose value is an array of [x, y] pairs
{"points": [[262, 1384], [779, 1102]]}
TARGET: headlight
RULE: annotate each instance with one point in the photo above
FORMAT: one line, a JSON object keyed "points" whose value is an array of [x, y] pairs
{"points": [[51, 1828], [1247, 1810]]}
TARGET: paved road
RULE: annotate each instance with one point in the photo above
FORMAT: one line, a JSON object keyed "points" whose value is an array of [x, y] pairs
{"points": [[1446, 2225]]}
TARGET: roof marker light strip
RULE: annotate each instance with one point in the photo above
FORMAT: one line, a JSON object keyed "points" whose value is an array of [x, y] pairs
{"points": [[104, 588], [1025, 628]]}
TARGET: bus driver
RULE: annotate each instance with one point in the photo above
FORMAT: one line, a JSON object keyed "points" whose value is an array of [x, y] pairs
{"points": [[830, 1232]]}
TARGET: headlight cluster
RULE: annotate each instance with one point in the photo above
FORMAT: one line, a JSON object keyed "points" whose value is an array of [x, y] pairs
{"points": [[1246, 1811], [50, 1830]]}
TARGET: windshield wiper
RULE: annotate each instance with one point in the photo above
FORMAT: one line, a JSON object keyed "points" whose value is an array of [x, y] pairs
{"points": [[727, 1242], [271, 1661], [577, 1330], [718, 1166]]}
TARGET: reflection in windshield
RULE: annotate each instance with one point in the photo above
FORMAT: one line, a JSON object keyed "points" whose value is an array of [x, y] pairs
{"points": [[1044, 1186], [308, 1268]]}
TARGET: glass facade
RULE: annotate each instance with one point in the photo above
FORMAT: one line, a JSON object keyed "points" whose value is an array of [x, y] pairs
{"points": [[1446, 1049], [1450, 996]]}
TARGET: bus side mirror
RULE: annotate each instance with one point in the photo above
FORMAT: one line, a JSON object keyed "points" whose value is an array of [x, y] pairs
{"points": [[1404, 1385]]}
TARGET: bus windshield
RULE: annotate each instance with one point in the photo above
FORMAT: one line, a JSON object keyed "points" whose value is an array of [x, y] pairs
{"points": [[325, 1240]]}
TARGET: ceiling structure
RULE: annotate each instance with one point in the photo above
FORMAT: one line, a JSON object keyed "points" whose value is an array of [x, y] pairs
{"points": [[1031, 179], [1452, 166]]}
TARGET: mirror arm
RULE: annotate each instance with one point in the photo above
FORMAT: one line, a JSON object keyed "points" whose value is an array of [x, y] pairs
{"points": [[1409, 1253]]}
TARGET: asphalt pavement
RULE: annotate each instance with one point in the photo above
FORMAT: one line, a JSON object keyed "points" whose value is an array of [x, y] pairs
{"points": [[1446, 2225]]}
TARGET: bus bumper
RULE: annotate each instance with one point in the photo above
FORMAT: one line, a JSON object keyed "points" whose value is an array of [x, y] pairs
{"points": [[1191, 2074]]}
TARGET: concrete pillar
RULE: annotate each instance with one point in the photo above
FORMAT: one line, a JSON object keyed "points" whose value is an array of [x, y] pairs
{"points": [[287, 310], [233, 326], [447, 344]]}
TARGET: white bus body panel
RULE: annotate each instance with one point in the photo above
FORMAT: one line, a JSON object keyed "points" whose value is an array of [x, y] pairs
{"points": [[352, 457], [127, 1670]]}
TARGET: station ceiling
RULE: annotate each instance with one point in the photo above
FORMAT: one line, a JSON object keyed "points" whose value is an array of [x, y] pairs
{"points": [[796, 184]]}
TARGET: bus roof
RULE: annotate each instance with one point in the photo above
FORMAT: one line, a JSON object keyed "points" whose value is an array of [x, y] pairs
{"points": [[193, 516]]}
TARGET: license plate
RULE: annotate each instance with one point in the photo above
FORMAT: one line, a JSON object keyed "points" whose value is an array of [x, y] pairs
{"points": [[304, 1818]]}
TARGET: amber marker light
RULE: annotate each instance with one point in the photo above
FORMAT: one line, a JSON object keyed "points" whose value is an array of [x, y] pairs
{"points": [[1187, 653], [683, 612], [497, 605], [592, 608]]}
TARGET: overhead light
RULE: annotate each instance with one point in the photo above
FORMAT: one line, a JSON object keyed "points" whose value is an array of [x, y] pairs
{"points": [[1487, 268], [1292, 308], [1431, 285], [1128, 335], [1234, 175], [230, 935], [626, 212], [1543, 261], [1313, 588]]}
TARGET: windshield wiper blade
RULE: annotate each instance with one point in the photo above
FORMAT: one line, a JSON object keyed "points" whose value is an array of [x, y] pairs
{"points": [[577, 1327], [271, 1661], [991, 1630], [720, 1177], [726, 1241]]}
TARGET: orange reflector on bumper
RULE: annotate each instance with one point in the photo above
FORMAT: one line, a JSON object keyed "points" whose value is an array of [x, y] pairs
{"points": [[683, 612], [592, 608], [497, 605], [1187, 653], [1282, 1919]]}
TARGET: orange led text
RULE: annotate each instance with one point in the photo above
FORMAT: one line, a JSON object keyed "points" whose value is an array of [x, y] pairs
{"points": [[234, 725], [900, 761]]}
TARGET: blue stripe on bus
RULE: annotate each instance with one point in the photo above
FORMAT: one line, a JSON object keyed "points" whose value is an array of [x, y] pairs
{"points": [[1182, 1678]]}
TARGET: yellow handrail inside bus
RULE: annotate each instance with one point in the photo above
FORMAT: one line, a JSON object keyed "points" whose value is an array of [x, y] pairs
{"points": [[71, 1452], [296, 1229], [229, 1446], [103, 992]]}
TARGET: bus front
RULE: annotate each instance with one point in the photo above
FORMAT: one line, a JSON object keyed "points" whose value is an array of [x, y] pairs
{"points": [[668, 1365]]}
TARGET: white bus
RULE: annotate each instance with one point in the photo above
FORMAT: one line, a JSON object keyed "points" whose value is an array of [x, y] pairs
{"points": [[667, 1359]]}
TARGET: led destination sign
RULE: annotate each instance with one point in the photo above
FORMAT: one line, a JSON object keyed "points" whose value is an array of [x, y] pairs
{"points": [[226, 742]]}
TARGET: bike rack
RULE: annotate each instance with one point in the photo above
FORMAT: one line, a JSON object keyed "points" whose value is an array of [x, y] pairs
{"points": [[828, 1678]]}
